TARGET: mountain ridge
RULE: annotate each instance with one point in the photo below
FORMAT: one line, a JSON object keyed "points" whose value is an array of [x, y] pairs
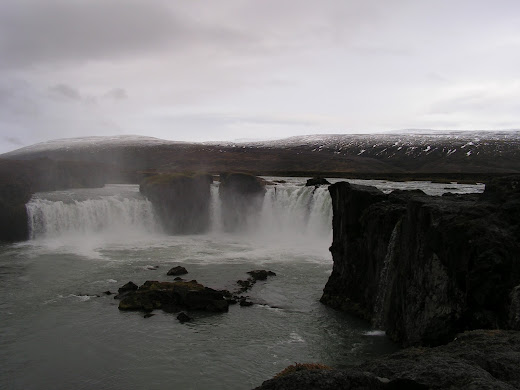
{"points": [[399, 152]]}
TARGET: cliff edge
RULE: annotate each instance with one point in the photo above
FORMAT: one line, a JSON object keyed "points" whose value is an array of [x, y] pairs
{"points": [[425, 268]]}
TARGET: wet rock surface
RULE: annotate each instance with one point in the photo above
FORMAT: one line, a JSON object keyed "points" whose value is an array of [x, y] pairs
{"points": [[426, 268], [176, 271], [183, 317], [173, 297], [481, 359], [245, 285], [316, 181]]}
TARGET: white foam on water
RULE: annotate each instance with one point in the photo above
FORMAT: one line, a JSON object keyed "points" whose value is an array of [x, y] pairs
{"points": [[376, 333]]}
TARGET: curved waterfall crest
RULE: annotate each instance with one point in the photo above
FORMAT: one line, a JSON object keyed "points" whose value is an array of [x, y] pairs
{"points": [[286, 209], [87, 211]]}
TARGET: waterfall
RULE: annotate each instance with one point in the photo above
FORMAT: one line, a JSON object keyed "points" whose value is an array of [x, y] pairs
{"points": [[296, 210], [85, 211], [215, 209], [288, 211], [378, 320]]}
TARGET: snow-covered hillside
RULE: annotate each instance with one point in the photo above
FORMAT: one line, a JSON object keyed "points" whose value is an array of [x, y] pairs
{"points": [[414, 143], [406, 151]]}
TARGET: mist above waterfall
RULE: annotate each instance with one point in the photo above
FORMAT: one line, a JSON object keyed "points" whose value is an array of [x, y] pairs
{"points": [[111, 210], [289, 216]]}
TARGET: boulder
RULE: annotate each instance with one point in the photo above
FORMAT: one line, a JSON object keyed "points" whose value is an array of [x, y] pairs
{"points": [[125, 290], [317, 181], [245, 285], [173, 296], [183, 317], [178, 270]]}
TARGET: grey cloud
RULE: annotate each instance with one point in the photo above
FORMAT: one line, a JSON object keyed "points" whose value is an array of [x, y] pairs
{"points": [[34, 32], [65, 91], [12, 141], [17, 99], [116, 94]]}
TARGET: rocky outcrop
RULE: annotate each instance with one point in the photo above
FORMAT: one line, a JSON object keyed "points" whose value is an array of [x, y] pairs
{"points": [[172, 297], [316, 181], [15, 192], [245, 285], [241, 197], [182, 202], [425, 268], [177, 270], [474, 360]]}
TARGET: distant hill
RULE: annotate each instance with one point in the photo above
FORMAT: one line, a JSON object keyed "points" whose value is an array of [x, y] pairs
{"points": [[410, 152]]}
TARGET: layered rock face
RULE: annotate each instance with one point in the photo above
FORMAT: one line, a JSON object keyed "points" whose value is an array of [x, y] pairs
{"points": [[182, 202], [241, 196], [425, 268]]}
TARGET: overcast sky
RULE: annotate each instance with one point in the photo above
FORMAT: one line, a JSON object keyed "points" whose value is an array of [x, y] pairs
{"points": [[244, 69]]}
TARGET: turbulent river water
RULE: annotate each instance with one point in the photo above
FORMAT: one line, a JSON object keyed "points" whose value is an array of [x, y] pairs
{"points": [[58, 330]]}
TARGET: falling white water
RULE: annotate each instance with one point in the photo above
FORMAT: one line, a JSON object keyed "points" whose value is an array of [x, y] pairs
{"points": [[296, 210], [290, 214], [215, 209], [287, 211], [383, 286], [89, 211]]}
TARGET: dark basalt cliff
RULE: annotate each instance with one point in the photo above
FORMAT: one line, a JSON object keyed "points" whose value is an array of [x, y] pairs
{"points": [[15, 192], [182, 202], [241, 196], [425, 268]]}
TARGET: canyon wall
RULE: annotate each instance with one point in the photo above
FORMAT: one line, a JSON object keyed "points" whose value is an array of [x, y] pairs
{"points": [[182, 202], [425, 268]]}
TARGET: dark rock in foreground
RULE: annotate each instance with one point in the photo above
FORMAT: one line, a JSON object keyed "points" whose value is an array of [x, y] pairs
{"points": [[474, 360], [173, 296], [425, 268], [178, 270], [323, 380]]}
